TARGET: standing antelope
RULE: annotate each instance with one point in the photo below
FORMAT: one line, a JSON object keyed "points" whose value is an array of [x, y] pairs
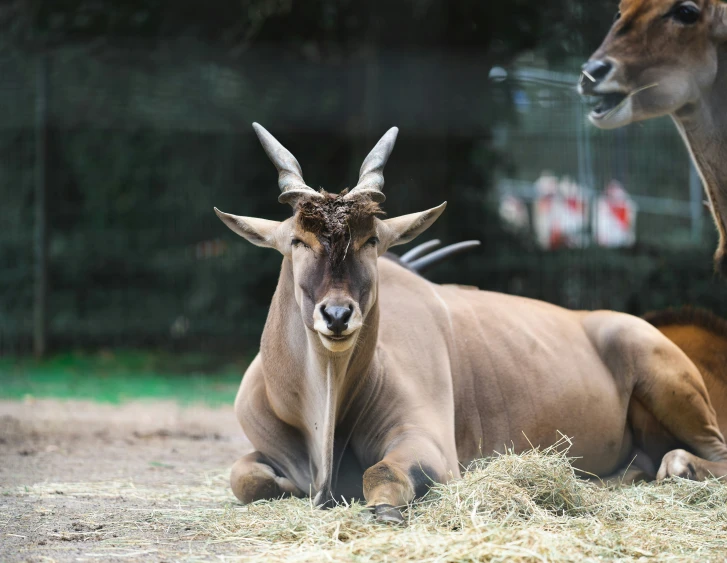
{"points": [[369, 375], [663, 57]]}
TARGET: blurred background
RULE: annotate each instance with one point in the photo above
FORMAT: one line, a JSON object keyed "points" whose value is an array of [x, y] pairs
{"points": [[123, 123]]}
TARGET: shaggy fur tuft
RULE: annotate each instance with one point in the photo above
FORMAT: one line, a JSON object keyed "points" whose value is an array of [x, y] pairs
{"points": [[335, 221], [688, 315]]}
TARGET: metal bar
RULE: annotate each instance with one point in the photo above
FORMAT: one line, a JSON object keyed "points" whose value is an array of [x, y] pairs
{"points": [[40, 309], [547, 77]]}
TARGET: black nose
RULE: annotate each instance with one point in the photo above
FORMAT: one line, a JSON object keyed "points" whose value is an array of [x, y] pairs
{"points": [[337, 318], [593, 73]]}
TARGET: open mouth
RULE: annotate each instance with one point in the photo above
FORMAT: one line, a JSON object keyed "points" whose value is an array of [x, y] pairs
{"points": [[607, 103]]}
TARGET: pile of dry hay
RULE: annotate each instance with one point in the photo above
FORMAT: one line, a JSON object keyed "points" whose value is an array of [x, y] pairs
{"points": [[528, 507]]}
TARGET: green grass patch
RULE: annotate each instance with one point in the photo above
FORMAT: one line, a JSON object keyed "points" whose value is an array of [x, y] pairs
{"points": [[121, 375]]}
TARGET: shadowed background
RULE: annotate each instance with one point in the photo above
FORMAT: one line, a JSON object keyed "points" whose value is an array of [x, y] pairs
{"points": [[123, 124]]}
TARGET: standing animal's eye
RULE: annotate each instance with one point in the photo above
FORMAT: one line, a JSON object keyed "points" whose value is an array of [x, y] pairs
{"points": [[617, 16], [298, 242], [373, 241], [686, 13]]}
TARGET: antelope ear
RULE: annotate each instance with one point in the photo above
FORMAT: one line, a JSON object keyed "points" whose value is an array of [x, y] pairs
{"points": [[260, 232], [719, 22], [406, 228]]}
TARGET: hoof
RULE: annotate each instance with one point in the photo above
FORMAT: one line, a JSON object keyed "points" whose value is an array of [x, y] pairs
{"points": [[250, 488], [677, 463], [324, 499], [389, 514]]}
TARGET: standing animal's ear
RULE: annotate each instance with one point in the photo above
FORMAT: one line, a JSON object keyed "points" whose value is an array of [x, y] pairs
{"points": [[719, 22], [260, 232], [406, 228]]}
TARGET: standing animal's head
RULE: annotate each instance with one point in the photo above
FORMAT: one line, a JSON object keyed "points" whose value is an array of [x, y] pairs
{"points": [[660, 56], [332, 241]]}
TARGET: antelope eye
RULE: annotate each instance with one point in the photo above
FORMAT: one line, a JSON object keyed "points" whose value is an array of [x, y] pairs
{"points": [[617, 16], [298, 242], [686, 13], [373, 241]]}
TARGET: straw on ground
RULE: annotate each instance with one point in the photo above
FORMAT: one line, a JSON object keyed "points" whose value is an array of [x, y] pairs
{"points": [[528, 507]]}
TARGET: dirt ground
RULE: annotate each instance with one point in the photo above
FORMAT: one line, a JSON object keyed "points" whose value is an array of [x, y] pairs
{"points": [[149, 482], [78, 480]]}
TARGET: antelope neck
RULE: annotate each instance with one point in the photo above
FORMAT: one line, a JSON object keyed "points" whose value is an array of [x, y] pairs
{"points": [[703, 127]]}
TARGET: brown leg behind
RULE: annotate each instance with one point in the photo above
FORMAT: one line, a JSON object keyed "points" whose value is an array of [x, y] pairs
{"points": [[668, 386], [639, 468], [673, 391]]}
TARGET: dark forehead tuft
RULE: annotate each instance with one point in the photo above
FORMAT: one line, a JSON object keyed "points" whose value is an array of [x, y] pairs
{"points": [[335, 220], [334, 214]]}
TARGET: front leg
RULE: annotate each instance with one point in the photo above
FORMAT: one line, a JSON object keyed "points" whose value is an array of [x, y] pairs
{"points": [[253, 478], [279, 465], [410, 465]]}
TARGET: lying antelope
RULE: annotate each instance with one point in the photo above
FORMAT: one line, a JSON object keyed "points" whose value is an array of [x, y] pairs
{"points": [[700, 334], [372, 380], [663, 57]]}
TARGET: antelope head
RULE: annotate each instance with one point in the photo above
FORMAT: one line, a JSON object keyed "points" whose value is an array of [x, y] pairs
{"points": [[333, 241], [659, 57]]}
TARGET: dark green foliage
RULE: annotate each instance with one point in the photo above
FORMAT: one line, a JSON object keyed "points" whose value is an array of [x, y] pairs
{"points": [[150, 110]]}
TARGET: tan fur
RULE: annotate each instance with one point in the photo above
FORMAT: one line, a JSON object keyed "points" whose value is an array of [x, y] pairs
{"points": [[671, 68], [476, 373], [430, 377]]}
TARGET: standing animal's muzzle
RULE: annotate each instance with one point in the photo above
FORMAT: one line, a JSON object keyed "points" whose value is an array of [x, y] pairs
{"points": [[601, 82], [593, 73], [336, 317]]}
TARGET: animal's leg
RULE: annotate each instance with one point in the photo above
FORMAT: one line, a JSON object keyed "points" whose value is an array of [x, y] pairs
{"points": [[253, 479], [671, 388], [278, 466], [405, 473], [638, 469], [680, 463]]}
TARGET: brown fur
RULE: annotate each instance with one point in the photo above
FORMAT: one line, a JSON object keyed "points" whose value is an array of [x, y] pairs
{"points": [[639, 12], [668, 67], [335, 221], [702, 336], [688, 316]]}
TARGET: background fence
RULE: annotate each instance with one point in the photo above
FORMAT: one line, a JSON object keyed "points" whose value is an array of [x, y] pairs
{"points": [[133, 145]]}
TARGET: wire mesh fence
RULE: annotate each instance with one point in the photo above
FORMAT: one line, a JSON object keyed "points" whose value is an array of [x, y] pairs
{"points": [[138, 146]]}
